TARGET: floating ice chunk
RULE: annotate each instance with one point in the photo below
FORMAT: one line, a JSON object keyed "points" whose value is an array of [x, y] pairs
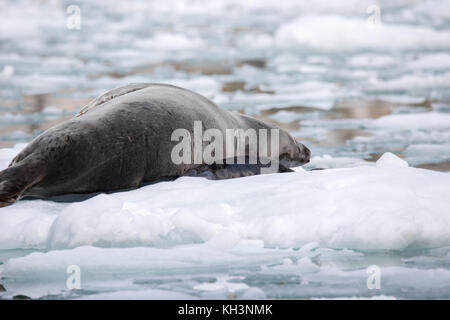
{"points": [[428, 120], [316, 94], [401, 98], [410, 81], [309, 246], [253, 294], [389, 160], [371, 60], [255, 41], [52, 111], [306, 265], [7, 72], [16, 135], [9, 118], [169, 41], [287, 116], [434, 61], [339, 33]]}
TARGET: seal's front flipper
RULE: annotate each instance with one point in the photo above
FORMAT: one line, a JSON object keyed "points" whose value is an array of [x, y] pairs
{"points": [[233, 168]]}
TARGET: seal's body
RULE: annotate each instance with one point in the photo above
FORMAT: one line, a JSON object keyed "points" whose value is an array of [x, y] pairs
{"points": [[122, 140]]}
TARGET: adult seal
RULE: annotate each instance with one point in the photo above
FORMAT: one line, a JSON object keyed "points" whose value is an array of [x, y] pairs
{"points": [[123, 139]]}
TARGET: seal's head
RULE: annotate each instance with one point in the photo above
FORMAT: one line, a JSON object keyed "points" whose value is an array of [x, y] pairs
{"points": [[292, 152]]}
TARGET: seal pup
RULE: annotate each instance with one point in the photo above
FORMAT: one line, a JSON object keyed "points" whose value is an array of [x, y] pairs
{"points": [[123, 139]]}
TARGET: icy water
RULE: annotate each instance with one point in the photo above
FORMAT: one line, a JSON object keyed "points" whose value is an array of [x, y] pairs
{"points": [[348, 88]]}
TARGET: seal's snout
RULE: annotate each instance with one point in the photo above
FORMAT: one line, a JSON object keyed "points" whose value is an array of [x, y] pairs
{"points": [[305, 153]]}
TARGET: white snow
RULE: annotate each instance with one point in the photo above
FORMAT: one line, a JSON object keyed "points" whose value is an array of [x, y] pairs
{"points": [[390, 160], [363, 207]]}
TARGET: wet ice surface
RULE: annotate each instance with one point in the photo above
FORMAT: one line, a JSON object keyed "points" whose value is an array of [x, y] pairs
{"points": [[348, 90]]}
